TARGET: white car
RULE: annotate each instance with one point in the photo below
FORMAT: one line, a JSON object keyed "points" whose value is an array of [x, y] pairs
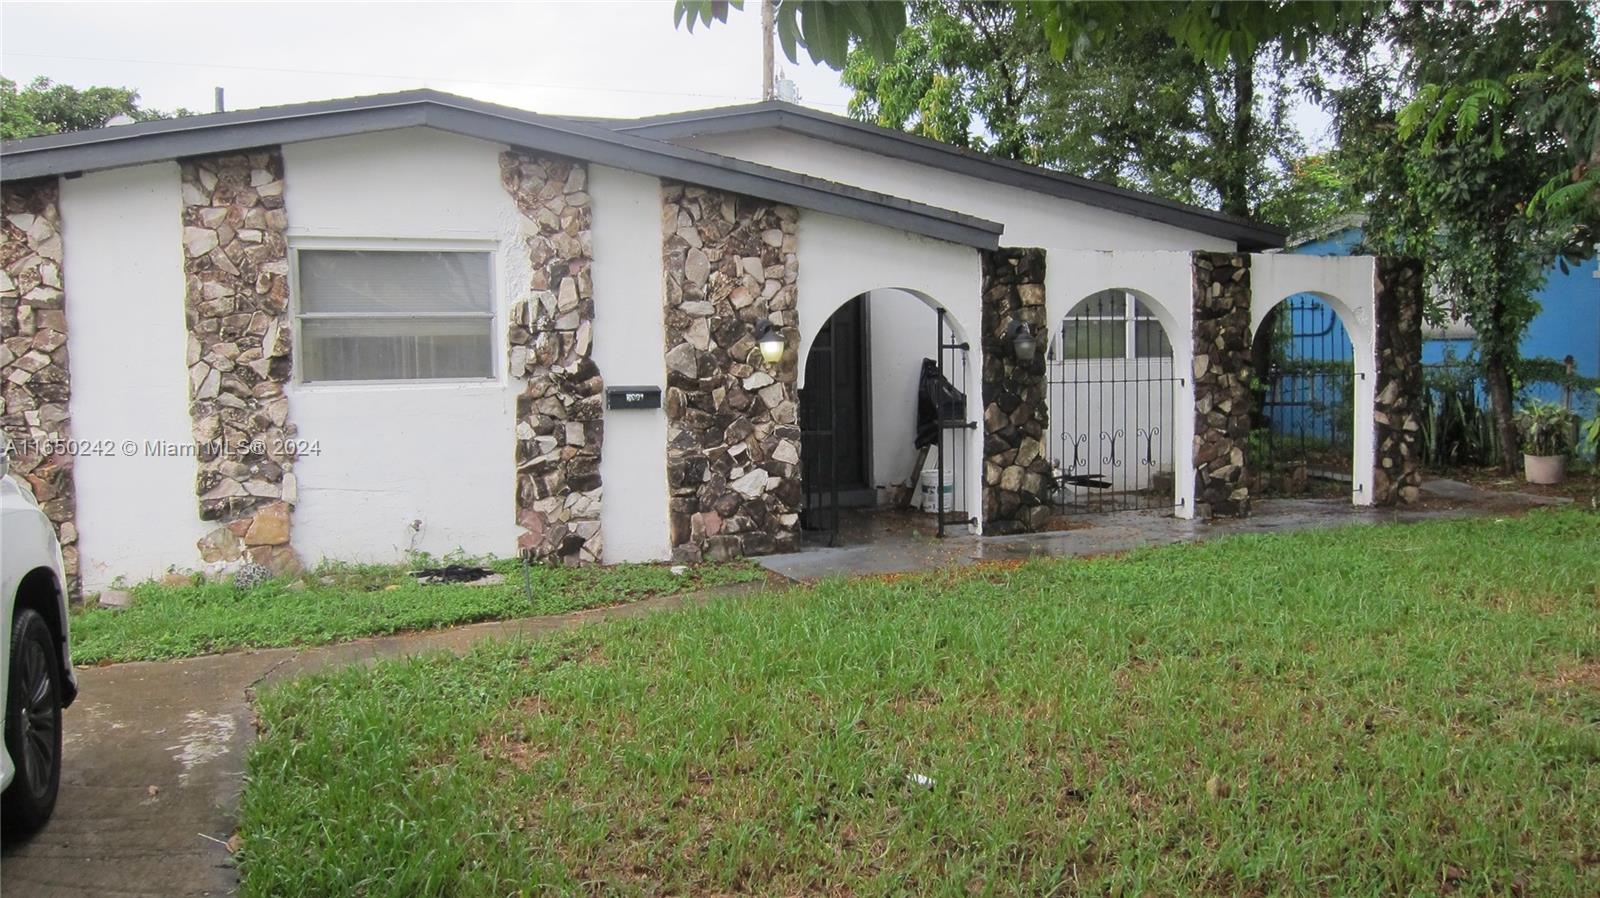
{"points": [[34, 658]]}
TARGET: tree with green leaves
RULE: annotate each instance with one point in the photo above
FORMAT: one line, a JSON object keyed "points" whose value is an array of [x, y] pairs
{"points": [[1454, 183], [956, 64], [1134, 109], [1557, 95], [1213, 32], [1186, 99], [44, 107]]}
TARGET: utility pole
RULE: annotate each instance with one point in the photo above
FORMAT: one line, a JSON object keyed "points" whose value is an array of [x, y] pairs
{"points": [[768, 10]]}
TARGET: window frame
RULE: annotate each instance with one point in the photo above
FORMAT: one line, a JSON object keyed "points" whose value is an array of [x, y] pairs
{"points": [[1130, 319], [495, 316]]}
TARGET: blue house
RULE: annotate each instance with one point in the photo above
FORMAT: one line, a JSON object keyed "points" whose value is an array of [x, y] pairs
{"points": [[1568, 323]]}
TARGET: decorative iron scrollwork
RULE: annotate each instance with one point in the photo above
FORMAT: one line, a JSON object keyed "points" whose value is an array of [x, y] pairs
{"points": [[1111, 436], [1149, 435]]}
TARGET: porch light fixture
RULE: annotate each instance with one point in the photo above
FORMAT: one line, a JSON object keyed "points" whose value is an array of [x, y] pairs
{"points": [[1023, 343], [770, 339]]}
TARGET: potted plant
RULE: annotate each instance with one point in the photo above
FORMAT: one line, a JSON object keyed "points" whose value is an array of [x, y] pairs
{"points": [[1546, 430]]}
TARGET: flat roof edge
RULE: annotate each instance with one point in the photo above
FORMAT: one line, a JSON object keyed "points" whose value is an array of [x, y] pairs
{"points": [[871, 138]]}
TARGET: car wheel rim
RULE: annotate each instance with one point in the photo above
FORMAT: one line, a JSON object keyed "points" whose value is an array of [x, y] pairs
{"points": [[38, 718]]}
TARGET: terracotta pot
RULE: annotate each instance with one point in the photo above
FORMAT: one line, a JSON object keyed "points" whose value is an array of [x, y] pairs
{"points": [[1546, 469]]}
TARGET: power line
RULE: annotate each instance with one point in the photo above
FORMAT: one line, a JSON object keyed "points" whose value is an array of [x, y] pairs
{"points": [[402, 77]]}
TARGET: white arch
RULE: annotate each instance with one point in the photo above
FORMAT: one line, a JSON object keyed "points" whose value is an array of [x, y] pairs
{"points": [[1164, 281], [1346, 284], [811, 324], [841, 258]]}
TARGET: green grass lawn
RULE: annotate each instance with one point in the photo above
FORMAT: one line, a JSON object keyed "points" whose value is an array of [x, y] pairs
{"points": [[1362, 711], [338, 602]]}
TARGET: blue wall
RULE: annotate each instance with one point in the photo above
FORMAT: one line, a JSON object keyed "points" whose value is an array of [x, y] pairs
{"points": [[1315, 406], [1568, 322]]}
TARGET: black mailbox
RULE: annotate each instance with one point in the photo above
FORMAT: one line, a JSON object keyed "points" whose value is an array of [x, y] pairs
{"points": [[633, 397]]}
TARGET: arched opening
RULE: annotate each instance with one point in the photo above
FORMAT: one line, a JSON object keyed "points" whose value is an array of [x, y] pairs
{"points": [[1112, 388], [1303, 387], [868, 431]]}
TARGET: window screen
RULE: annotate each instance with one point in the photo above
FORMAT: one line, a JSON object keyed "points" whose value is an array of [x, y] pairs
{"points": [[386, 315]]}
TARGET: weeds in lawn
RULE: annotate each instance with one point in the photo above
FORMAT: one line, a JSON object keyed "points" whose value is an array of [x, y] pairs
{"points": [[344, 601], [1348, 712]]}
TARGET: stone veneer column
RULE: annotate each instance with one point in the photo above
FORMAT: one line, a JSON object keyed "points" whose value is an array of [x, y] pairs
{"points": [[34, 377], [733, 438], [236, 268], [1221, 383], [1396, 415], [560, 412], [1016, 471]]}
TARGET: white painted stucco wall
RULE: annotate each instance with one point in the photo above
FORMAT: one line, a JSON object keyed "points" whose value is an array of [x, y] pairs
{"points": [[902, 334], [842, 258], [1345, 283], [1031, 218], [123, 239], [629, 346], [392, 455]]}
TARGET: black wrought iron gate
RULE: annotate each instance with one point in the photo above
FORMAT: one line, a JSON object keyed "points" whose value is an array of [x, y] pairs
{"points": [[954, 427], [1111, 390], [1303, 424], [819, 434]]}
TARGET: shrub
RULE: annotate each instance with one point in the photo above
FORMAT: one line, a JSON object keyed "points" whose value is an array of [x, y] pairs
{"points": [[1546, 428]]}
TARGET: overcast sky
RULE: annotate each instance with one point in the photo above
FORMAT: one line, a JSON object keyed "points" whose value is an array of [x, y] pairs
{"points": [[580, 58], [618, 58]]}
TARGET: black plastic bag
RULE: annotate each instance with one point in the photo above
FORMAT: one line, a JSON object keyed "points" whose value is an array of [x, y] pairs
{"points": [[937, 400]]}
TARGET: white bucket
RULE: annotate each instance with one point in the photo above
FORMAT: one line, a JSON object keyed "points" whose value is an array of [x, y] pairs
{"points": [[927, 498]]}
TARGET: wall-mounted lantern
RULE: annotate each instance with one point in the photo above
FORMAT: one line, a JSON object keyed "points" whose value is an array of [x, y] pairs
{"points": [[771, 341], [1023, 342]]}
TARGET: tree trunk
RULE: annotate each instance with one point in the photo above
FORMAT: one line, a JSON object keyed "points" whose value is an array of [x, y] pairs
{"points": [[1498, 375], [1236, 189]]}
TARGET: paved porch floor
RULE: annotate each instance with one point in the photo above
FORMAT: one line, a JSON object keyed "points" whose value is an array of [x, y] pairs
{"points": [[896, 542]]}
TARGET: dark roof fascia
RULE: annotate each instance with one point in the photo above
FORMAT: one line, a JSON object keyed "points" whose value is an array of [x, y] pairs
{"points": [[66, 154], [1247, 234]]}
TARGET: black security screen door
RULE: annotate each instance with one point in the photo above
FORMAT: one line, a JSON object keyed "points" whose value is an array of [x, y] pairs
{"points": [[833, 418]]}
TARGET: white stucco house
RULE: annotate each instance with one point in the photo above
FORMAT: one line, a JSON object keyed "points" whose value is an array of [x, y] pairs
{"points": [[360, 328]]}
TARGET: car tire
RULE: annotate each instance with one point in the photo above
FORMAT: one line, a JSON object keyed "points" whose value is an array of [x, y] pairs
{"points": [[33, 725]]}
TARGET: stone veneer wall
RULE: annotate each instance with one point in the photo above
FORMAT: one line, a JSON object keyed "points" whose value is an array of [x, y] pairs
{"points": [[1016, 471], [34, 376], [1221, 383], [733, 438], [1397, 411], [560, 413], [236, 268]]}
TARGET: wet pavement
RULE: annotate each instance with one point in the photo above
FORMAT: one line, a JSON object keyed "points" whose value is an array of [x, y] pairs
{"points": [[900, 542], [154, 761], [154, 756]]}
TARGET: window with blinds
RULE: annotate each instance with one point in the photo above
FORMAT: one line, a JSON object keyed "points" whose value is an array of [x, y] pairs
{"points": [[383, 315]]}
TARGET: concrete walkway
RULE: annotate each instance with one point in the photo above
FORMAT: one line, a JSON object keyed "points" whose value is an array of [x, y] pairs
{"points": [[155, 751], [154, 761], [900, 552]]}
